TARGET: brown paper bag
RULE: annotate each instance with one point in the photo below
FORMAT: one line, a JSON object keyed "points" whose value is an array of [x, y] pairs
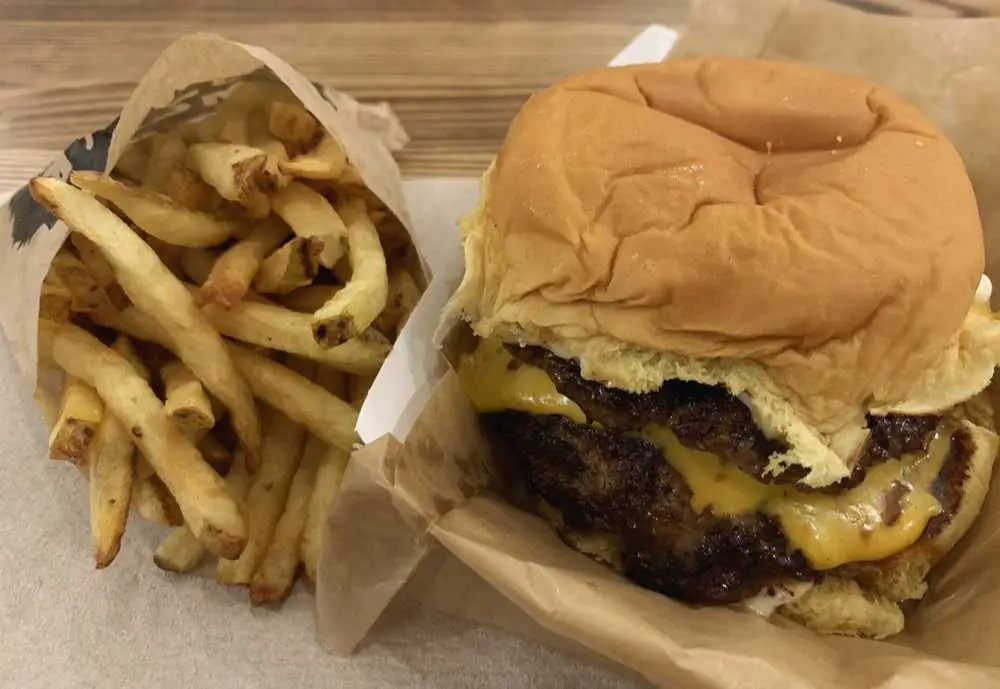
{"points": [[440, 482], [185, 83]]}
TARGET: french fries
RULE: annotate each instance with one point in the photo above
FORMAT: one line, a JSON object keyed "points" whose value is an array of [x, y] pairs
{"points": [[352, 310], [155, 213], [326, 162], [80, 414], [111, 472], [294, 265], [311, 215], [285, 330], [153, 288], [111, 464], [181, 551], [185, 400], [283, 441], [230, 275], [330, 473], [214, 517], [273, 579], [239, 173], [210, 244]]}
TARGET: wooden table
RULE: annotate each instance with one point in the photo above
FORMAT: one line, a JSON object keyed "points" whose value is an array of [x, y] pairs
{"points": [[456, 71]]}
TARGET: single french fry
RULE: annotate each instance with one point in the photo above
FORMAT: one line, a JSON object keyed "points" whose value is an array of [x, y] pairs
{"points": [[292, 124], [277, 155], [270, 325], [273, 580], [112, 470], [80, 414], [351, 311], [157, 214], [311, 215], [155, 290], [239, 173], [307, 299], [199, 491], [330, 473], [266, 497], [326, 161], [403, 297], [186, 402], [230, 275], [293, 265], [167, 153], [181, 551]]}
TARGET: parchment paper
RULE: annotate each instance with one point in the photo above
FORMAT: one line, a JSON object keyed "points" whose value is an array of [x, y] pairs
{"points": [[437, 482]]}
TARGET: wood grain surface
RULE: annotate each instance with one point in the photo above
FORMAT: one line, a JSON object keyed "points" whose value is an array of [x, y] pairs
{"points": [[455, 71]]}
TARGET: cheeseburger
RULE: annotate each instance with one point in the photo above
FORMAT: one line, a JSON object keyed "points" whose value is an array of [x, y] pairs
{"points": [[732, 331]]}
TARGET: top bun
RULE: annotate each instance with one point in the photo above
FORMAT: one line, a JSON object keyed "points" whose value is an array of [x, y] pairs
{"points": [[806, 238]]}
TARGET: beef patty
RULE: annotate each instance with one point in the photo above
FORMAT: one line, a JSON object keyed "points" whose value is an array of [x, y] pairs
{"points": [[709, 418], [606, 480]]}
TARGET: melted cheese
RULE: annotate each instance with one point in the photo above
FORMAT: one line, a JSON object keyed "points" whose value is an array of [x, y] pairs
{"points": [[830, 530], [495, 381]]}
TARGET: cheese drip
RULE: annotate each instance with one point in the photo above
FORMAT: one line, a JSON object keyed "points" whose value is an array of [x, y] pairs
{"points": [[496, 381], [830, 530]]}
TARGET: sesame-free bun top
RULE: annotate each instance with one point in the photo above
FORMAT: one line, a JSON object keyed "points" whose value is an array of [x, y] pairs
{"points": [[806, 238]]}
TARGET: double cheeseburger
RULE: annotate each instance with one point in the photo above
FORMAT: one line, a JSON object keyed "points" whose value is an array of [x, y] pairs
{"points": [[733, 331]]}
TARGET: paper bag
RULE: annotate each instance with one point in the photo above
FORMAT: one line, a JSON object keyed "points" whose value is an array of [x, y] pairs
{"points": [[441, 485], [185, 83]]}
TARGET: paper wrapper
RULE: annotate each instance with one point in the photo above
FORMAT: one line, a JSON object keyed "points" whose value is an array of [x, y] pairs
{"points": [[185, 83], [436, 488]]}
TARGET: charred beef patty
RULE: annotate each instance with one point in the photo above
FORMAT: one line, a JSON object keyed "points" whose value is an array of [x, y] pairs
{"points": [[708, 418], [603, 479], [606, 482]]}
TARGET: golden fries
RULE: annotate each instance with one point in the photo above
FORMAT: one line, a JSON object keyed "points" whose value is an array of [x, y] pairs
{"points": [[199, 491], [155, 213], [155, 290], [230, 276], [80, 414], [326, 162], [185, 400], [311, 215], [292, 124], [273, 579], [352, 310], [239, 173], [330, 473], [299, 398], [293, 265], [210, 244], [111, 473], [279, 328], [181, 551], [265, 499]]}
